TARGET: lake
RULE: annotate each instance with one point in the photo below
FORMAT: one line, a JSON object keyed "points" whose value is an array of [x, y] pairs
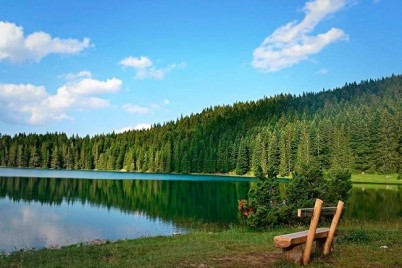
{"points": [[53, 208]]}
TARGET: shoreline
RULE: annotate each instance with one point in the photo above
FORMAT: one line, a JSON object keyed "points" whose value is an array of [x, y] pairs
{"points": [[360, 178], [359, 243]]}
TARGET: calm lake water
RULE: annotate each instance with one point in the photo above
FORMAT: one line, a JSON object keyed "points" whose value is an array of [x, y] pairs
{"points": [[52, 208]]}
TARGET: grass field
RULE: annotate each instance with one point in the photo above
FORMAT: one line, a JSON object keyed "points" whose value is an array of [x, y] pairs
{"points": [[376, 178], [358, 245]]}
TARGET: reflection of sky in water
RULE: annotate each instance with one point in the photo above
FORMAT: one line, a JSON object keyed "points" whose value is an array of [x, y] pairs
{"points": [[35, 225]]}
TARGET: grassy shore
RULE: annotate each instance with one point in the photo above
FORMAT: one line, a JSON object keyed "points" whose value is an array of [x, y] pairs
{"points": [[376, 178], [358, 245], [356, 178]]}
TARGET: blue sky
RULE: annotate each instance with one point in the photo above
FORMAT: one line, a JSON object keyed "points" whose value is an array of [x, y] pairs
{"points": [[91, 67]]}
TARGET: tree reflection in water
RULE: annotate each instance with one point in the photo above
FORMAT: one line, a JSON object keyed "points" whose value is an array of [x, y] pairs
{"points": [[177, 201]]}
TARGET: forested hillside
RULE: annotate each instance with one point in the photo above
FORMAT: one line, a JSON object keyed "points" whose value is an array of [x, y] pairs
{"points": [[358, 126]]}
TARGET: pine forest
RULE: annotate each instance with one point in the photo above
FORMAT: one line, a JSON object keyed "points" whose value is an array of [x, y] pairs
{"points": [[357, 126]]}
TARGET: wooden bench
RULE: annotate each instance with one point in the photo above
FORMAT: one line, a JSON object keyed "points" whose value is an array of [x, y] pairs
{"points": [[292, 244]]}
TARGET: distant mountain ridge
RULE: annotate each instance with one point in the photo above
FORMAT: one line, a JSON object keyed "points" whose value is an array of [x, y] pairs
{"points": [[357, 126]]}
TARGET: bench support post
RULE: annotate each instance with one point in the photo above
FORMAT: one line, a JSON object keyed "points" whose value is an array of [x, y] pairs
{"points": [[293, 254], [297, 247], [311, 231], [334, 224]]}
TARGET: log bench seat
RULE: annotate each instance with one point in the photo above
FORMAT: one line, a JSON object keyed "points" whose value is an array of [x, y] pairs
{"points": [[294, 239], [297, 247]]}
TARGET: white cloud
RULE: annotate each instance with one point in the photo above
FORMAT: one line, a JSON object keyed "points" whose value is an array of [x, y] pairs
{"points": [[137, 63], [157, 106], [144, 68], [76, 76], [322, 71], [136, 109], [124, 129], [149, 109], [29, 104], [141, 126], [15, 47], [293, 42]]}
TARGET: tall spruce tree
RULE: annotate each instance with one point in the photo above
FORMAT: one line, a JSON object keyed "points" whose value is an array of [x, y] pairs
{"points": [[243, 159], [388, 145]]}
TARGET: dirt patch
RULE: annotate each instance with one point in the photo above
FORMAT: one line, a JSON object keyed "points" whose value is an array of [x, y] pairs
{"points": [[252, 259]]}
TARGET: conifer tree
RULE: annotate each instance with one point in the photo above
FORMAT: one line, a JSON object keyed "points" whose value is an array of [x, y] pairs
{"points": [[304, 154], [34, 159], [243, 159], [286, 150], [256, 158], [55, 159], [223, 157], [273, 154], [21, 157], [321, 141], [45, 153], [341, 153], [388, 145], [264, 150], [69, 158]]}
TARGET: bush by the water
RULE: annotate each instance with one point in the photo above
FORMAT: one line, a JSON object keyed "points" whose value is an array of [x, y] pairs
{"points": [[265, 208]]}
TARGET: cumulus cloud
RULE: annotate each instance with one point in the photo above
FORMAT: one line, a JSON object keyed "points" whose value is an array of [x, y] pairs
{"points": [[165, 103], [136, 109], [30, 104], [141, 126], [322, 71], [16, 47], [144, 67], [293, 42], [137, 63]]}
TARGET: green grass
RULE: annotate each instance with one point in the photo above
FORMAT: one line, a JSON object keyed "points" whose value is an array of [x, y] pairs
{"points": [[358, 245], [376, 178]]}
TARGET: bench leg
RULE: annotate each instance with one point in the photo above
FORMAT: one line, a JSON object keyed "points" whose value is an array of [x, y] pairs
{"points": [[293, 254]]}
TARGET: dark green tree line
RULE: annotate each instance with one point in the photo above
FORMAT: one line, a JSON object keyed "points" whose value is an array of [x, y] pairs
{"points": [[357, 126]]}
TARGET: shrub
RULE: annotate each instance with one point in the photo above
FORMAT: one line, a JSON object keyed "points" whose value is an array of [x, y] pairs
{"points": [[304, 189], [266, 209], [245, 211]]}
